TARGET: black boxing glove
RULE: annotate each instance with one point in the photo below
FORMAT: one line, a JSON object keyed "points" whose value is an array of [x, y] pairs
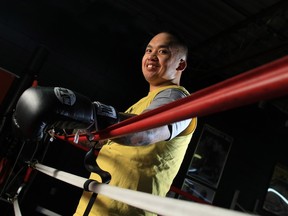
{"points": [[40, 107], [106, 115]]}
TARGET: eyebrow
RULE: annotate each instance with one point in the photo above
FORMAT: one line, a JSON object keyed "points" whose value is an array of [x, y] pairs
{"points": [[161, 46]]}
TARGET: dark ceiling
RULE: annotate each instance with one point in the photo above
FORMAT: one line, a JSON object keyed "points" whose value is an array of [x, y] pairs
{"points": [[95, 47]]}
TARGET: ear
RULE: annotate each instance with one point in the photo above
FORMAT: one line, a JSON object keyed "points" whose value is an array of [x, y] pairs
{"points": [[182, 65]]}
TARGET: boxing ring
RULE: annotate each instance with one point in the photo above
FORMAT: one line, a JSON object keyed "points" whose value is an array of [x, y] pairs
{"points": [[262, 83]]}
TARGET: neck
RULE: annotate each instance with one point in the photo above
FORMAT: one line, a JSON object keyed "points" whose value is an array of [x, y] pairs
{"points": [[153, 87]]}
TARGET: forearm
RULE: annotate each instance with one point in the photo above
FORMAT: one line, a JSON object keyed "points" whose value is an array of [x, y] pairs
{"points": [[144, 137], [60, 108]]}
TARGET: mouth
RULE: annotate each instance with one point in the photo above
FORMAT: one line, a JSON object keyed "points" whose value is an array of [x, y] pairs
{"points": [[151, 66]]}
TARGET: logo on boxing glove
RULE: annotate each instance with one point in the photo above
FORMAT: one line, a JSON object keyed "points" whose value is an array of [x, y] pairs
{"points": [[105, 110], [65, 96]]}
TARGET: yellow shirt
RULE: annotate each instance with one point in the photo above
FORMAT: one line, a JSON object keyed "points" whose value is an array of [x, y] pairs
{"points": [[150, 168]]}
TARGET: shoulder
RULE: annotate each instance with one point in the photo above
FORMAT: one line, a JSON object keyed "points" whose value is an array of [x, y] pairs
{"points": [[173, 93]]}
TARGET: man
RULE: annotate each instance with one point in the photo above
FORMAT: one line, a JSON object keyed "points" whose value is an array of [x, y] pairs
{"points": [[147, 161]]}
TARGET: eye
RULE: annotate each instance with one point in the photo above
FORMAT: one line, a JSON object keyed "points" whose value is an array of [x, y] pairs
{"points": [[148, 50], [163, 51]]}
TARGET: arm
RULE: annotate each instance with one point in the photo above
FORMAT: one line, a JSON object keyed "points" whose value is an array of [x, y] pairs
{"points": [[41, 108], [145, 137], [165, 132]]}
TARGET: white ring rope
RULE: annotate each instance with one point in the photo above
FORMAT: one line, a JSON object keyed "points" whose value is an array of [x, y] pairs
{"points": [[159, 205], [16, 208], [61, 175]]}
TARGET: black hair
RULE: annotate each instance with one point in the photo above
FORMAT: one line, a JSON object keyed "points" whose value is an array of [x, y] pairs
{"points": [[179, 40]]}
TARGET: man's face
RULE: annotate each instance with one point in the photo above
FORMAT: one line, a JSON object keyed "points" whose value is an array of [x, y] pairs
{"points": [[161, 60]]}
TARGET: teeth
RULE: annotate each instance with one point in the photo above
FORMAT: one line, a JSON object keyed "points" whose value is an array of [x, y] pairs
{"points": [[149, 66]]}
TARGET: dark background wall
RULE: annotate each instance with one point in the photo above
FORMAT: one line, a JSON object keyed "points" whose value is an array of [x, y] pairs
{"points": [[259, 137]]}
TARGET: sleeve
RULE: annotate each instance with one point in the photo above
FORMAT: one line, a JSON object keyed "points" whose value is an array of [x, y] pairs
{"points": [[167, 96]]}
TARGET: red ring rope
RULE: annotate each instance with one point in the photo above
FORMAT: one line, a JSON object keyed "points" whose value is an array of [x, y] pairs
{"points": [[262, 83]]}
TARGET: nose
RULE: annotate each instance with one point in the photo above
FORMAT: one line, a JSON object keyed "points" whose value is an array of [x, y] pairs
{"points": [[152, 56]]}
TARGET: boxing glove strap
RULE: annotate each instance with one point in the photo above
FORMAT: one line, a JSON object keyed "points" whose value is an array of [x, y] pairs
{"points": [[105, 110], [105, 115]]}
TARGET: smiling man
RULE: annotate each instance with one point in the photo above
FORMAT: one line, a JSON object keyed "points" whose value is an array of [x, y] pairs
{"points": [[147, 161]]}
